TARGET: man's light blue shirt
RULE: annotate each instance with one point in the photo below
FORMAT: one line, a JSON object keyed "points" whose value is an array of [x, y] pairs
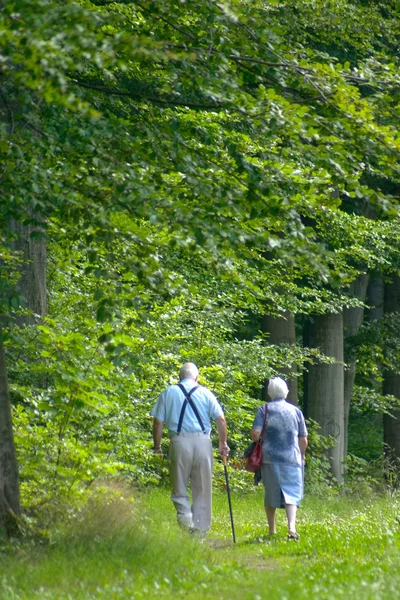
{"points": [[169, 405]]}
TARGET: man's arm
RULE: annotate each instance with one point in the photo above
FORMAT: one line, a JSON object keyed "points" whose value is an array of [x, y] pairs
{"points": [[158, 427], [303, 443], [222, 436]]}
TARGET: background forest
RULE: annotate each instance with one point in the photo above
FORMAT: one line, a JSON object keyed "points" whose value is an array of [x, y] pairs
{"points": [[196, 180]]}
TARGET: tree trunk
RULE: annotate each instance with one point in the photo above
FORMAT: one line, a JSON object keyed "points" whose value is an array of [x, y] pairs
{"points": [[391, 380], [391, 423], [282, 331], [31, 245], [325, 385], [352, 319], [9, 479], [32, 287], [29, 240], [375, 295]]}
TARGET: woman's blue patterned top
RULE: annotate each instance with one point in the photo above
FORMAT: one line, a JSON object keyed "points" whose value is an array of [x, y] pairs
{"points": [[285, 424]]}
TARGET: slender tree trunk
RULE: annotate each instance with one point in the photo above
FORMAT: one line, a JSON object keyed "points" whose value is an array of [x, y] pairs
{"points": [[282, 331], [32, 287], [325, 385], [352, 319], [9, 479], [306, 329], [391, 379], [391, 423], [375, 312], [375, 296], [31, 245]]}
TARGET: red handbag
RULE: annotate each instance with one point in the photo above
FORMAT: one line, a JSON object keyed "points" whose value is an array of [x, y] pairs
{"points": [[254, 460]]}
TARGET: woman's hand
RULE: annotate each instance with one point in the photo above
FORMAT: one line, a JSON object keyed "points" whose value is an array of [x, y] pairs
{"points": [[255, 434]]}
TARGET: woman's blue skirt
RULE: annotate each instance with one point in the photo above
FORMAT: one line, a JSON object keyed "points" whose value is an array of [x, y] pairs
{"points": [[284, 484]]}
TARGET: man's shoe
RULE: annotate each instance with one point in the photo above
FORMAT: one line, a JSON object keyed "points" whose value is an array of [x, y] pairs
{"points": [[200, 533]]}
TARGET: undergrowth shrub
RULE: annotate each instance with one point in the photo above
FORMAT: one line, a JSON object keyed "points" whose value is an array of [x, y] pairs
{"points": [[318, 475], [109, 510], [362, 477]]}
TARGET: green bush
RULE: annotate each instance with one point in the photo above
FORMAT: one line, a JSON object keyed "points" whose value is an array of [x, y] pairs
{"points": [[318, 474]]}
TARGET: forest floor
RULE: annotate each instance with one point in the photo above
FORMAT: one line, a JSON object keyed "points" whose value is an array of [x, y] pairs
{"points": [[119, 548]]}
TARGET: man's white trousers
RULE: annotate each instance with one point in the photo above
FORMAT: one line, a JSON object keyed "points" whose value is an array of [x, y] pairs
{"points": [[191, 460]]}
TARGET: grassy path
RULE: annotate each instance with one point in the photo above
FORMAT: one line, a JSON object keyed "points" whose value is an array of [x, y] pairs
{"points": [[348, 549]]}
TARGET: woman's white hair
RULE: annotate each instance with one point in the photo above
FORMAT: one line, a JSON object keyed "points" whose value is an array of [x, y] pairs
{"points": [[277, 388], [189, 371]]}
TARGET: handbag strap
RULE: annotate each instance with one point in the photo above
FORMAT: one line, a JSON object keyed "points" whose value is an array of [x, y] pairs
{"points": [[188, 400]]}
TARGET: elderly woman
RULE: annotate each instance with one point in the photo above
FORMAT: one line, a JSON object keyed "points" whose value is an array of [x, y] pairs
{"points": [[284, 445]]}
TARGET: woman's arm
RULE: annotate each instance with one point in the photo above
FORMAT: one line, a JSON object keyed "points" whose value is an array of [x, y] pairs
{"points": [[257, 424], [303, 443]]}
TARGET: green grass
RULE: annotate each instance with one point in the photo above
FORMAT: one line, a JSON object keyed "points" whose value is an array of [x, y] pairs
{"points": [[348, 549]]}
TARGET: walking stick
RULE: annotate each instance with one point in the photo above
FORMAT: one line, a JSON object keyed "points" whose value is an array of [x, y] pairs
{"points": [[229, 498]]}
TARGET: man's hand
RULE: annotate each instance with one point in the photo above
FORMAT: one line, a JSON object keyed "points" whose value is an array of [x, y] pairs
{"points": [[224, 449], [222, 436], [157, 435]]}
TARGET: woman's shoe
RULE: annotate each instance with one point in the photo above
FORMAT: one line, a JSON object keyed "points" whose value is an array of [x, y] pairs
{"points": [[293, 537]]}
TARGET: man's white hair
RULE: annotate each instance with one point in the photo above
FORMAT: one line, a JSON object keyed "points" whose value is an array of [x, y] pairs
{"points": [[189, 371], [277, 388]]}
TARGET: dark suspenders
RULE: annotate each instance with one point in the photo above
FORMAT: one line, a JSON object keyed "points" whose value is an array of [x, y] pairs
{"points": [[188, 400]]}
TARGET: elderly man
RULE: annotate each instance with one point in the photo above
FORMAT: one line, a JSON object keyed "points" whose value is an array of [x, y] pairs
{"points": [[187, 410]]}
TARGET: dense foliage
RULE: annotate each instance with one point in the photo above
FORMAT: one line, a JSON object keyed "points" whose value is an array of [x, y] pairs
{"points": [[192, 165]]}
